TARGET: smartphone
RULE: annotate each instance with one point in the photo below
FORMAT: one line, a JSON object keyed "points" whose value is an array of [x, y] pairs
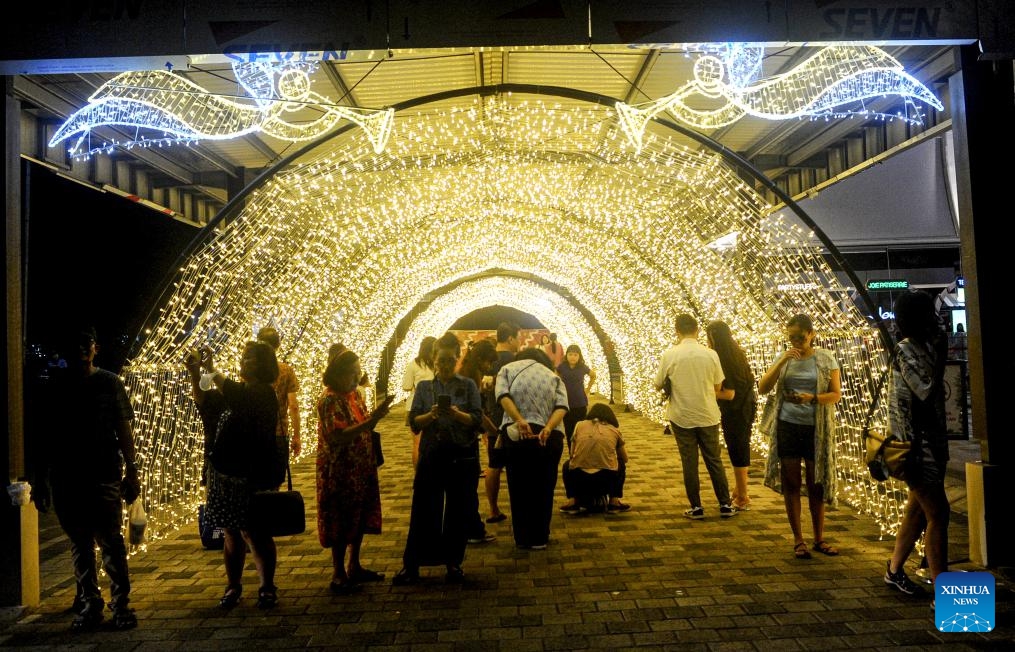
{"points": [[444, 402]]}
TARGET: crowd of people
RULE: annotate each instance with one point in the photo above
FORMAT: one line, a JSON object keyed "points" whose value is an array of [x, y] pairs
{"points": [[527, 408]]}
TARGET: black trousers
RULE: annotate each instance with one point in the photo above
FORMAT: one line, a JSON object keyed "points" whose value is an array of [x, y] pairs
{"points": [[586, 487], [531, 481], [442, 510], [92, 514]]}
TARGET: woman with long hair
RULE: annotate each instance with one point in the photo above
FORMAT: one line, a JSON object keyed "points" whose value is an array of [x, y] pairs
{"points": [[799, 421], [573, 372], [348, 491], [916, 413], [738, 404]]}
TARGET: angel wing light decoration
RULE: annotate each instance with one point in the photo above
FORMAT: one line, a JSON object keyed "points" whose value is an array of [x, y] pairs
{"points": [[174, 109], [837, 81]]}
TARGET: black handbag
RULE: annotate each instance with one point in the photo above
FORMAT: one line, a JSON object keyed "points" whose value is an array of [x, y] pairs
{"points": [[277, 513], [212, 538]]}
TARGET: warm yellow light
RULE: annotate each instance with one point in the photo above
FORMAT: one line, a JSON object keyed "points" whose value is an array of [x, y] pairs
{"points": [[344, 244]]}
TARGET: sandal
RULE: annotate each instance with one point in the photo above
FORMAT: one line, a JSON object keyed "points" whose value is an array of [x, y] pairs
{"points": [[344, 588], [825, 549], [365, 575], [267, 597], [231, 597], [800, 550]]}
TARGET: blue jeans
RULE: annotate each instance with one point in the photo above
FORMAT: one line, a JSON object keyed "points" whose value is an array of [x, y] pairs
{"points": [[705, 439]]}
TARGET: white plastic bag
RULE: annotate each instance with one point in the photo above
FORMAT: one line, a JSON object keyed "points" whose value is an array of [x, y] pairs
{"points": [[138, 521]]}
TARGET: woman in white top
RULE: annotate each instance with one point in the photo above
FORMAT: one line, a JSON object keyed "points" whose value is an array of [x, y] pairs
{"points": [[421, 368]]}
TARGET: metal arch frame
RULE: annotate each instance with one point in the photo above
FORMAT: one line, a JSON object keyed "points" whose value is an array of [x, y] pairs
{"points": [[731, 157]]}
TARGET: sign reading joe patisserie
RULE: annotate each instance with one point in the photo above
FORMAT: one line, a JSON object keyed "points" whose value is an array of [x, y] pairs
{"points": [[887, 284]]}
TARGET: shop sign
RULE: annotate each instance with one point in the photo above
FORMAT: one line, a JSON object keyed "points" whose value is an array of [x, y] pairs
{"points": [[881, 285]]}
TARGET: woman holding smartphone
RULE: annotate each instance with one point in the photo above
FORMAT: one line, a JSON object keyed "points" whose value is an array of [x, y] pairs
{"points": [[446, 417], [800, 423]]}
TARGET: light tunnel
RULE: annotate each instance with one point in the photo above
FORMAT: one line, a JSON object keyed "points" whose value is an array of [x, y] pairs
{"points": [[502, 198]]}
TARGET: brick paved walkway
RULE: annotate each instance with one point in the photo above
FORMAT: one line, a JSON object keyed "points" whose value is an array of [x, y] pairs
{"points": [[647, 579]]}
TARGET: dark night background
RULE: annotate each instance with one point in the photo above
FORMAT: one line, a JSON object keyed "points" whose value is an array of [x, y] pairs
{"points": [[92, 258]]}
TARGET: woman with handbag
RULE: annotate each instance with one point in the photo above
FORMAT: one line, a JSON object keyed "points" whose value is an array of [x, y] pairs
{"points": [[800, 423], [244, 460], [348, 490], [916, 413], [535, 402]]}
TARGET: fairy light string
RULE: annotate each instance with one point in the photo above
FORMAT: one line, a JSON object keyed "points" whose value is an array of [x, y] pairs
{"points": [[345, 243]]}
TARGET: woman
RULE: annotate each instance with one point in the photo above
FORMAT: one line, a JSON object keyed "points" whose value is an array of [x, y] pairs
{"points": [[445, 416], [800, 424], [421, 368], [242, 460], [553, 350], [916, 413], [534, 402], [573, 372], [348, 492], [738, 404], [478, 363], [598, 463]]}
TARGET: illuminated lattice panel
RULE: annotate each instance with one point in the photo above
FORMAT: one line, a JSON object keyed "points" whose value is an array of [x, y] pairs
{"points": [[345, 244]]}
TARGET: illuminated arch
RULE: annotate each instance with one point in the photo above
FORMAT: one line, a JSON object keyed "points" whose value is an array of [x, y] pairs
{"points": [[337, 242]]}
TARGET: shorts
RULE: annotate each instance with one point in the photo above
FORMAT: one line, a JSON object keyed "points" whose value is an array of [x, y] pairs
{"points": [[795, 440]]}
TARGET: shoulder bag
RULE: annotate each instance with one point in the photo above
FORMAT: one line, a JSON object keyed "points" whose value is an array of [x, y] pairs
{"points": [[277, 513], [885, 454]]}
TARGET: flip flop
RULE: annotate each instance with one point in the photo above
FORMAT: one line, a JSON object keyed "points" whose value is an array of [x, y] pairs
{"points": [[801, 552], [497, 518], [825, 549]]}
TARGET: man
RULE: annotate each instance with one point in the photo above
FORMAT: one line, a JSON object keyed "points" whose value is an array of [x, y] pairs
{"points": [[90, 443], [446, 415], [695, 376], [507, 347], [286, 387]]}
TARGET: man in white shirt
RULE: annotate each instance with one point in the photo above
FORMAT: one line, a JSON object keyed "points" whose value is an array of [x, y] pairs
{"points": [[696, 378]]}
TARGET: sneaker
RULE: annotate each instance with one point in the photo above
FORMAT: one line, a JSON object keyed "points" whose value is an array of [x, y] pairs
{"points": [[618, 507], [571, 509], [695, 513], [538, 546], [124, 618], [727, 511], [485, 538], [901, 581]]}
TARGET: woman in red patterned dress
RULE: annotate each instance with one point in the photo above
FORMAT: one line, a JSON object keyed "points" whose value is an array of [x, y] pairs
{"points": [[348, 493]]}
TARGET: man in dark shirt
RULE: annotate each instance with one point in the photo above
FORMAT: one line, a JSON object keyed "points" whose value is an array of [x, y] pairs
{"points": [[92, 470], [507, 347]]}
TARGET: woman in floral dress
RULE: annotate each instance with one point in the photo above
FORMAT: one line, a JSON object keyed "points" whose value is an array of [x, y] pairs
{"points": [[348, 492]]}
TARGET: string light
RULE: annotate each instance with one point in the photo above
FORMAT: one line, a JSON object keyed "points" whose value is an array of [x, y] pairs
{"points": [[344, 244], [183, 112], [836, 82]]}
